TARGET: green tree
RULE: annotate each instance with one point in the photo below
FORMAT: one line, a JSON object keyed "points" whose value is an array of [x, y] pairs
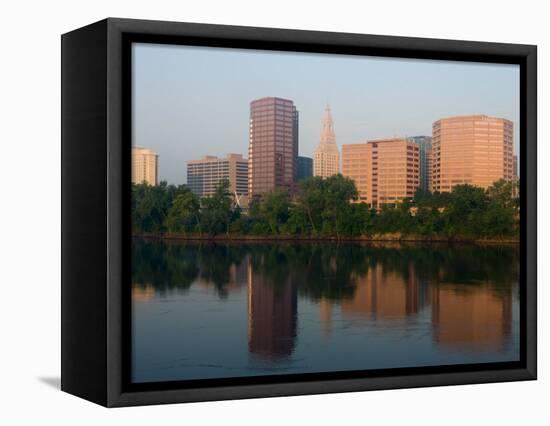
{"points": [[217, 210], [326, 207], [149, 207], [501, 193], [392, 219], [257, 223], [501, 212], [498, 221], [311, 199], [183, 215], [464, 213], [362, 220], [338, 191], [428, 221], [297, 223], [274, 208]]}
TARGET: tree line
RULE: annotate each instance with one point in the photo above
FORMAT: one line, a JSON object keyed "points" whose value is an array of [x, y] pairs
{"points": [[328, 271], [325, 208]]}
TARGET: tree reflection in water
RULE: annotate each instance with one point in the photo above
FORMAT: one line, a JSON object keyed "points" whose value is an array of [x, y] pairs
{"points": [[468, 288]]}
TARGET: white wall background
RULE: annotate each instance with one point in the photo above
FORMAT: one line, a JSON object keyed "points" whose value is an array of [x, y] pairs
{"points": [[30, 211]]}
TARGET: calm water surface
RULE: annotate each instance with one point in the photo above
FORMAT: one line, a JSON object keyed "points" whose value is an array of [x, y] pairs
{"points": [[213, 310]]}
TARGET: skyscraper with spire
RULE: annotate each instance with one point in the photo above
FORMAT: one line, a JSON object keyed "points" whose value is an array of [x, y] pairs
{"points": [[326, 161]]}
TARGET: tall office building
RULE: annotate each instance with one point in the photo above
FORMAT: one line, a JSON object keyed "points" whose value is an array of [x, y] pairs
{"points": [[144, 166], [385, 171], [425, 145], [205, 175], [395, 171], [273, 145], [326, 161], [355, 158], [305, 168], [473, 149]]}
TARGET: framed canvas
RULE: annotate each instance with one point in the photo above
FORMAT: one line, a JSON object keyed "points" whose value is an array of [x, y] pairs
{"points": [[255, 212]]}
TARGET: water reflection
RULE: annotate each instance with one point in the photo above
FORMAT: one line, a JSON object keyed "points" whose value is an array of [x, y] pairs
{"points": [[142, 292], [368, 305], [271, 314], [471, 318], [385, 295]]}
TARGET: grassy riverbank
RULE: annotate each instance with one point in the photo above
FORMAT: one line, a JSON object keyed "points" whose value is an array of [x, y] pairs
{"points": [[390, 237]]}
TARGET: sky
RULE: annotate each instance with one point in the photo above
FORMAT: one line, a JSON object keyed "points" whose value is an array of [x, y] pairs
{"points": [[190, 101]]}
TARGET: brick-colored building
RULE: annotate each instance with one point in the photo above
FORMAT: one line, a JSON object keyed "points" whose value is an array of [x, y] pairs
{"points": [[385, 171], [395, 171], [273, 145], [204, 175], [472, 149], [355, 160]]}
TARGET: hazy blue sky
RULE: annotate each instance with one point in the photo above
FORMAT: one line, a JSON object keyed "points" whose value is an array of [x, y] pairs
{"points": [[194, 101]]}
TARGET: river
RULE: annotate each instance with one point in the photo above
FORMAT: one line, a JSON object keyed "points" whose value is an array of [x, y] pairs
{"points": [[222, 310]]}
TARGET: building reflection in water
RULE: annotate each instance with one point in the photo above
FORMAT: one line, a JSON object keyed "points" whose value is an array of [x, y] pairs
{"points": [[325, 314], [383, 295], [272, 309], [142, 292], [451, 299], [474, 318], [471, 317], [237, 275]]}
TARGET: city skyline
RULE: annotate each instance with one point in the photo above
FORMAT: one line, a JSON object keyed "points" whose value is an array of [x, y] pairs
{"points": [[475, 150], [170, 117]]}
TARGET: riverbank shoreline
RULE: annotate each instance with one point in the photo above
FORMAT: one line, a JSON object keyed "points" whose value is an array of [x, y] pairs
{"points": [[378, 238]]}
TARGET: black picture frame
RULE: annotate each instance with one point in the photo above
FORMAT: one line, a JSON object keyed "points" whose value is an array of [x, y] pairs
{"points": [[95, 210]]}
